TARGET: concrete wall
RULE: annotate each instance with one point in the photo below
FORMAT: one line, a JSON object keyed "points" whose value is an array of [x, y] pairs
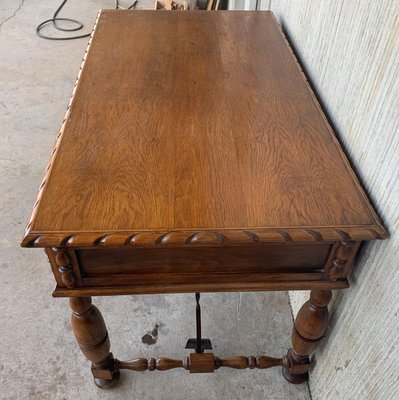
{"points": [[350, 50]]}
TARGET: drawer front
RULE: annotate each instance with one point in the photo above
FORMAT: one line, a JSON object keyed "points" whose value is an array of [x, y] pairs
{"points": [[168, 269], [202, 260]]}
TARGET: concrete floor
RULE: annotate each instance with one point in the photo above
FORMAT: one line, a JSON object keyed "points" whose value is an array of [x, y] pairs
{"points": [[39, 358]]}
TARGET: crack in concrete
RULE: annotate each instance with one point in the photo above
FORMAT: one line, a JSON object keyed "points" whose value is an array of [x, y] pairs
{"points": [[13, 15]]}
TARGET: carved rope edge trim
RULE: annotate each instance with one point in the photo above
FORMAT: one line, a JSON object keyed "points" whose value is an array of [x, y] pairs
{"points": [[213, 237], [61, 131]]}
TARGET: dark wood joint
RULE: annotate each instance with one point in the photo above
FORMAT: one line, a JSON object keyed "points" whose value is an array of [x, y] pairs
{"points": [[297, 365], [202, 363], [105, 371]]}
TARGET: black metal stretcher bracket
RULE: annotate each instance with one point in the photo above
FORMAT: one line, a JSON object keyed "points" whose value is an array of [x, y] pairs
{"points": [[198, 344]]}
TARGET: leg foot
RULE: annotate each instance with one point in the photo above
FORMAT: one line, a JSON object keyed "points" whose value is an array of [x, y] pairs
{"points": [[294, 379], [105, 375], [289, 374], [310, 327], [107, 383]]}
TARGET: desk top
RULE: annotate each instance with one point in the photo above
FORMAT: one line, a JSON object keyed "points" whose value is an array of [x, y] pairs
{"points": [[195, 127]]}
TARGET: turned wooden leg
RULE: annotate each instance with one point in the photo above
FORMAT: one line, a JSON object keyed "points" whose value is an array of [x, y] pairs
{"points": [[91, 334], [310, 326]]}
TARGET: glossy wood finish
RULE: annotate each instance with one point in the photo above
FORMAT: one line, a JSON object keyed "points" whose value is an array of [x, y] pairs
{"points": [[103, 262], [311, 324], [152, 364], [217, 131], [192, 165], [208, 363], [173, 269], [237, 283], [91, 334]]}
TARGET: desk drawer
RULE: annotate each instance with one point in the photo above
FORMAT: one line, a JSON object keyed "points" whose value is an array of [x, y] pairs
{"points": [[169, 269], [202, 260]]}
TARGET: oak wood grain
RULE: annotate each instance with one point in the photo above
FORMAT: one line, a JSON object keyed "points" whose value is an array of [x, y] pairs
{"points": [[194, 157], [217, 131]]}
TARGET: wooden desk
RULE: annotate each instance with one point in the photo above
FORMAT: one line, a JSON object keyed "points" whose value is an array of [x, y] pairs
{"points": [[194, 157]]}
